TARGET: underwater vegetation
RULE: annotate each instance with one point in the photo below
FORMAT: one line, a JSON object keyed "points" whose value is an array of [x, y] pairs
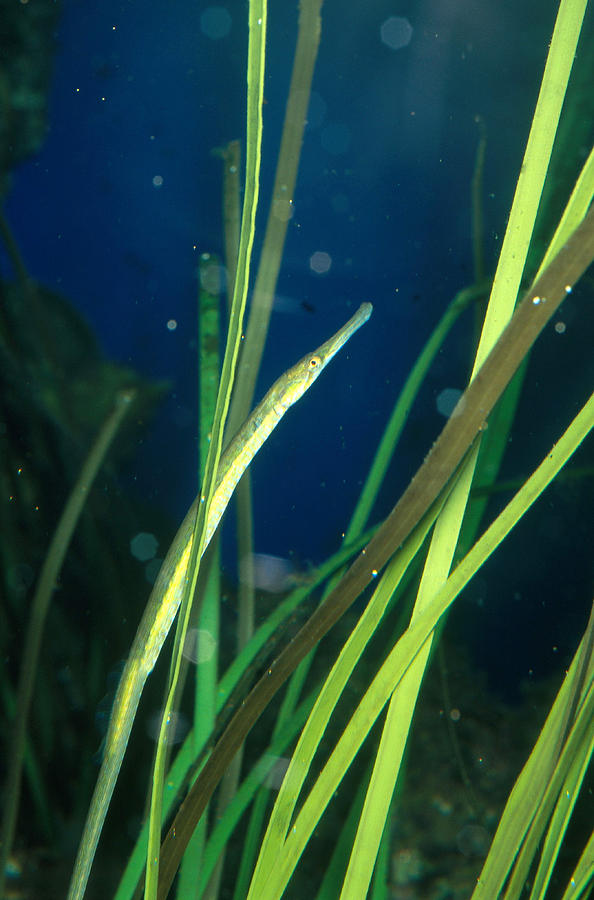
{"points": [[339, 790]]}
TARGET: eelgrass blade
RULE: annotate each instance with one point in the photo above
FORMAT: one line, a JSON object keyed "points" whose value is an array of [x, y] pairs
{"points": [[532, 175], [308, 38], [231, 156], [255, 95], [583, 875], [243, 499], [205, 669], [334, 871], [37, 788], [398, 418], [286, 713], [533, 795], [575, 210], [273, 846], [187, 758], [492, 449], [40, 605], [563, 749], [280, 212], [399, 660], [273, 759], [565, 804], [441, 462], [445, 536], [383, 456]]}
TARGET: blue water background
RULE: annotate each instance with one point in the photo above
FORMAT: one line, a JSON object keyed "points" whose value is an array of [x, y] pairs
{"points": [[141, 95]]}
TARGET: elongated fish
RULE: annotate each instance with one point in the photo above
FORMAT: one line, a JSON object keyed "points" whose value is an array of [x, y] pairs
{"points": [[168, 589]]}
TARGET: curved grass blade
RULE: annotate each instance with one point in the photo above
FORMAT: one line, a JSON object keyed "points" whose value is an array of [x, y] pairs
{"points": [[255, 96], [40, 605], [457, 436], [188, 758], [401, 657]]}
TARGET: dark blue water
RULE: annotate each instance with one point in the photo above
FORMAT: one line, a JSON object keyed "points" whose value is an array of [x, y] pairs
{"points": [[125, 195]]}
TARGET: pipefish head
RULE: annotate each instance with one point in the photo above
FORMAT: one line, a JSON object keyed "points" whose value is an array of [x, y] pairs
{"points": [[302, 375]]}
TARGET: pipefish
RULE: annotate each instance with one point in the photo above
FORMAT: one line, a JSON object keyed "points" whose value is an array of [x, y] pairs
{"points": [[168, 589]]}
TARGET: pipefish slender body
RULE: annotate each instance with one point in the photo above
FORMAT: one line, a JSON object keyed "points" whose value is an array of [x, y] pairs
{"points": [[168, 589]]}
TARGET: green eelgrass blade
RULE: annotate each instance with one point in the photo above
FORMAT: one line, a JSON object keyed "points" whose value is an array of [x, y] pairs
{"points": [[523, 216], [511, 266], [533, 172], [272, 845], [528, 807], [252, 783], [583, 874], [280, 212], [401, 657], [255, 94], [399, 415], [566, 800], [577, 207], [565, 745], [39, 609], [279, 215], [334, 871], [231, 156], [37, 788], [207, 630], [500, 422], [501, 419], [398, 721], [243, 495], [40, 605], [189, 752], [445, 536], [384, 454]]}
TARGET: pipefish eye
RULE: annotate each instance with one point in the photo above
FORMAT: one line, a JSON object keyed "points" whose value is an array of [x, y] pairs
{"points": [[314, 362]]}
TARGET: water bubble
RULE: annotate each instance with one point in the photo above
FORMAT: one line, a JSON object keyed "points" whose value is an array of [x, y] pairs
{"points": [[396, 32], [447, 400], [144, 546], [320, 262], [177, 727], [266, 572], [199, 645], [215, 22]]}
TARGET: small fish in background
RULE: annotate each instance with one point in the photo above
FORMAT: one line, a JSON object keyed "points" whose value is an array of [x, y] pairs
{"points": [[272, 574]]}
